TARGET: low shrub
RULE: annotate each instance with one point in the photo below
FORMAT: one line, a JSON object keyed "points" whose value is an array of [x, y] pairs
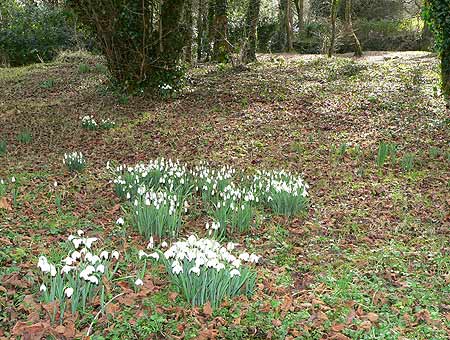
{"points": [[32, 32]]}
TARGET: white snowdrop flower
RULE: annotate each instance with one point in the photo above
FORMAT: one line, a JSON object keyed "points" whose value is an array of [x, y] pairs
{"points": [[219, 266], [80, 232], [151, 243], [95, 259], [244, 256], [13, 179], [128, 196], [88, 241], [70, 238], [195, 270], [42, 288], [164, 244], [120, 221], [142, 254], [192, 239], [93, 279], [77, 242], [236, 263], [66, 269], [75, 255], [177, 268], [104, 255], [154, 255], [235, 272], [231, 246], [115, 254], [100, 268], [139, 282], [207, 226], [52, 270], [55, 184], [68, 261], [254, 258], [69, 292]]}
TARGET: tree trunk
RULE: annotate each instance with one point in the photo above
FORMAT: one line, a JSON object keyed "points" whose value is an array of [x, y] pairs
{"points": [[172, 32], [200, 28], [333, 14], [210, 23], [300, 7], [252, 20], [289, 32], [286, 25], [188, 30], [349, 28], [221, 46], [445, 73]]}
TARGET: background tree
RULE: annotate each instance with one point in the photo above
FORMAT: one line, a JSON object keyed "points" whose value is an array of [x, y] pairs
{"points": [[221, 44], [300, 8], [189, 31], [349, 28], [141, 40], [333, 16], [286, 34], [437, 14], [252, 19]]}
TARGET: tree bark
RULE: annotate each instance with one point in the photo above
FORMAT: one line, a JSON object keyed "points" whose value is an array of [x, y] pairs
{"points": [[300, 7], [289, 32], [200, 27], [349, 28], [445, 73], [210, 36], [333, 14], [221, 46], [252, 20], [188, 30]]}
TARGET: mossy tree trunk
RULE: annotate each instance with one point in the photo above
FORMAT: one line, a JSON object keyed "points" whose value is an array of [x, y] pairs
{"points": [[188, 22], [252, 19], [221, 45]]}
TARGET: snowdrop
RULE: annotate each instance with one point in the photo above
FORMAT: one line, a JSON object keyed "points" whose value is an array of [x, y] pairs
{"points": [[139, 282], [43, 288], [69, 292], [120, 221]]}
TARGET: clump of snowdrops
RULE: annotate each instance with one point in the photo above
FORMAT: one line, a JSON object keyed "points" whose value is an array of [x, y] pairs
{"points": [[89, 123], [74, 161], [283, 192], [203, 270], [78, 279], [158, 213]]}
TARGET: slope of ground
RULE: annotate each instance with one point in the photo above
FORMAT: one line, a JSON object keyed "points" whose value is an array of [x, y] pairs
{"points": [[370, 261]]}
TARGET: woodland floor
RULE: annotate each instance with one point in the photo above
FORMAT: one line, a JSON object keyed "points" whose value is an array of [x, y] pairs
{"points": [[370, 261]]}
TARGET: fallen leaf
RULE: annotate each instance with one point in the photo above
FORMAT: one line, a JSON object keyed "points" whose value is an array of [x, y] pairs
{"points": [[207, 310], [338, 327], [372, 317], [4, 204]]}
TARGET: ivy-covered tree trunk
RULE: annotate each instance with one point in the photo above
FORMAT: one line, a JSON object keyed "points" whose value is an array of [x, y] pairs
{"points": [[221, 45], [349, 28], [437, 14], [333, 15], [142, 40], [188, 22], [445, 72], [252, 19]]}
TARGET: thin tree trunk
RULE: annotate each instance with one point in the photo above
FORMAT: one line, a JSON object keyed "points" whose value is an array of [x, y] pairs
{"points": [[445, 73], [188, 30], [289, 32], [252, 20], [210, 35], [349, 28], [200, 22], [333, 14], [300, 7], [221, 47]]}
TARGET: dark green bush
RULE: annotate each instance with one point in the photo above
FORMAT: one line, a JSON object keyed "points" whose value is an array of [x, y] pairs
{"points": [[31, 33]]}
